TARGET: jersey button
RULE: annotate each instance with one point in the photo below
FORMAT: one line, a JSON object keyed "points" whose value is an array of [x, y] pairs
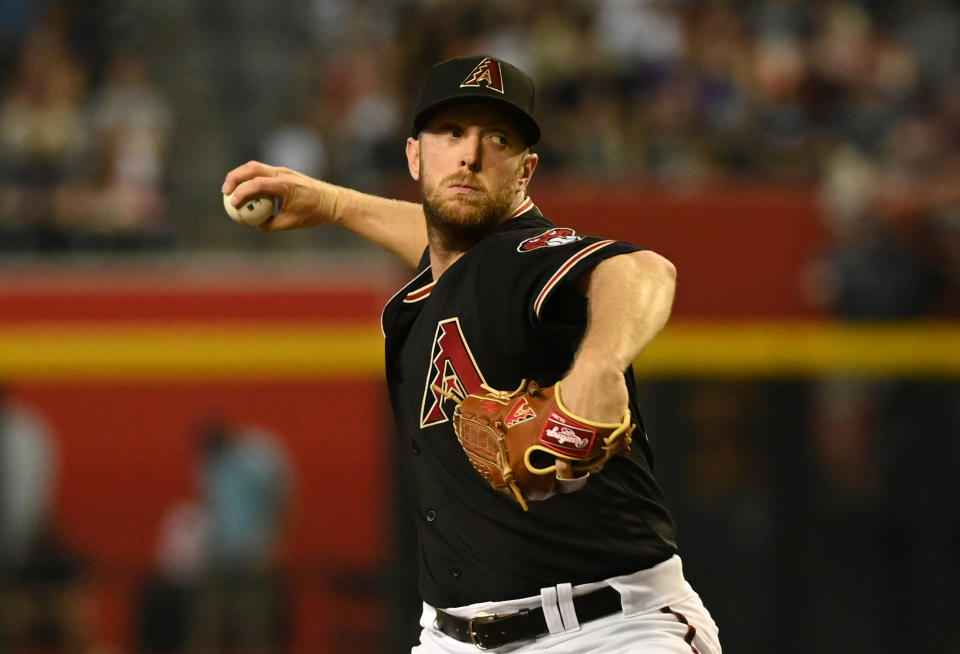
{"points": [[456, 571], [414, 448], [431, 516]]}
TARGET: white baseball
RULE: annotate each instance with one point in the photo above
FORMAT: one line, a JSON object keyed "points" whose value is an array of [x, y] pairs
{"points": [[253, 212]]}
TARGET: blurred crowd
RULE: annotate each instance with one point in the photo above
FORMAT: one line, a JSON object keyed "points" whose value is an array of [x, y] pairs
{"points": [[861, 98], [217, 580], [82, 137], [45, 599]]}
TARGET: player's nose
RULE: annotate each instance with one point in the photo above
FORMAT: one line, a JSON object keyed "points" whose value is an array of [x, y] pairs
{"points": [[471, 154]]}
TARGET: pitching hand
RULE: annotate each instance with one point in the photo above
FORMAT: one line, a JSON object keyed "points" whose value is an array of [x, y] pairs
{"points": [[304, 201]]}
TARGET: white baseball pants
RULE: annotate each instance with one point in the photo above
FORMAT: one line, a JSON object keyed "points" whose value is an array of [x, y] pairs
{"points": [[662, 614]]}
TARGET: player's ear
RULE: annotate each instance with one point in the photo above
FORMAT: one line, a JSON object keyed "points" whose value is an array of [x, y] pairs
{"points": [[529, 164], [413, 157]]}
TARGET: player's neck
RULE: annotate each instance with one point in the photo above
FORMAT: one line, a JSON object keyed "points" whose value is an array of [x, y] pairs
{"points": [[448, 245], [440, 261], [444, 251]]}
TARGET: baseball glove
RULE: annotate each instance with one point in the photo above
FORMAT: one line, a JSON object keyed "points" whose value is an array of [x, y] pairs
{"points": [[514, 438]]}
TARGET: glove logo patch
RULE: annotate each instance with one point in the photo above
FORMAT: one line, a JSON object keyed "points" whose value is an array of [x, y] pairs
{"points": [[521, 411], [490, 405], [563, 435], [550, 238]]}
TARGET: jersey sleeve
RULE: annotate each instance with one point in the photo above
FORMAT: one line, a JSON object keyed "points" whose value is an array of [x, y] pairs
{"points": [[563, 269], [537, 275]]}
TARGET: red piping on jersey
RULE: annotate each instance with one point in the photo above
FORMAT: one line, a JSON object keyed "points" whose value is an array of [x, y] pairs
{"points": [[424, 291], [691, 630], [420, 293], [420, 274], [524, 207], [564, 269]]}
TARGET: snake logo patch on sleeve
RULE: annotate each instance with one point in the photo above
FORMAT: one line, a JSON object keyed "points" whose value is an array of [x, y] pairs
{"points": [[550, 238]]}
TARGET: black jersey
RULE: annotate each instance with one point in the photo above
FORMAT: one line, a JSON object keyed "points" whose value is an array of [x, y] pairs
{"points": [[506, 311]]}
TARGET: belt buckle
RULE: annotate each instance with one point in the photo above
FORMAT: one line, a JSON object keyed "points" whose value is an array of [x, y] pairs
{"points": [[482, 618]]}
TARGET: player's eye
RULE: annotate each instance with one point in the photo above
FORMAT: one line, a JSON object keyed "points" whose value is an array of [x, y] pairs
{"points": [[451, 130], [500, 140]]}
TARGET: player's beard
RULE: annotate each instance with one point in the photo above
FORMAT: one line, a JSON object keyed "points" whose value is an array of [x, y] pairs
{"points": [[461, 222]]}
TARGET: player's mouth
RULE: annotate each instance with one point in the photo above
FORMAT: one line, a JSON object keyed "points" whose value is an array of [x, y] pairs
{"points": [[464, 186]]}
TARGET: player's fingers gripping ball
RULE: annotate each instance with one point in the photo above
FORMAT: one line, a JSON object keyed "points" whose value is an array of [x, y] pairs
{"points": [[513, 439], [255, 211]]}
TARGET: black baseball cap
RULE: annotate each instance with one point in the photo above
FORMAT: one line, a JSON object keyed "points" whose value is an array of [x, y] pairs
{"points": [[478, 78]]}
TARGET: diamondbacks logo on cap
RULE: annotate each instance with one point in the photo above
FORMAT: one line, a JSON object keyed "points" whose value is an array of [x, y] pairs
{"points": [[487, 71]]}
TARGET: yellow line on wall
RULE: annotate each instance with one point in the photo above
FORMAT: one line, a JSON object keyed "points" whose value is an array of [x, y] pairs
{"points": [[189, 351], [67, 352], [926, 349]]}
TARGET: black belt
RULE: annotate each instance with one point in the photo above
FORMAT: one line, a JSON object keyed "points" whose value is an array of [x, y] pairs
{"points": [[491, 631]]}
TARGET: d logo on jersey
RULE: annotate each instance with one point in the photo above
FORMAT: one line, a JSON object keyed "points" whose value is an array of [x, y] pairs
{"points": [[487, 71], [452, 369], [556, 236]]}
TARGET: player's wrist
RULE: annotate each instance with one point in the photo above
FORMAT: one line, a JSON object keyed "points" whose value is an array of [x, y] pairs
{"points": [[329, 205], [597, 364]]}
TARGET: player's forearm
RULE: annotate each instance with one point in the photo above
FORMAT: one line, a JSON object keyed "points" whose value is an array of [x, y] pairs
{"points": [[629, 298], [397, 227], [394, 225]]}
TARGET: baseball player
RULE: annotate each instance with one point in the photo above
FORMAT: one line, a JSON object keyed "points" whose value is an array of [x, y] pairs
{"points": [[500, 295]]}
